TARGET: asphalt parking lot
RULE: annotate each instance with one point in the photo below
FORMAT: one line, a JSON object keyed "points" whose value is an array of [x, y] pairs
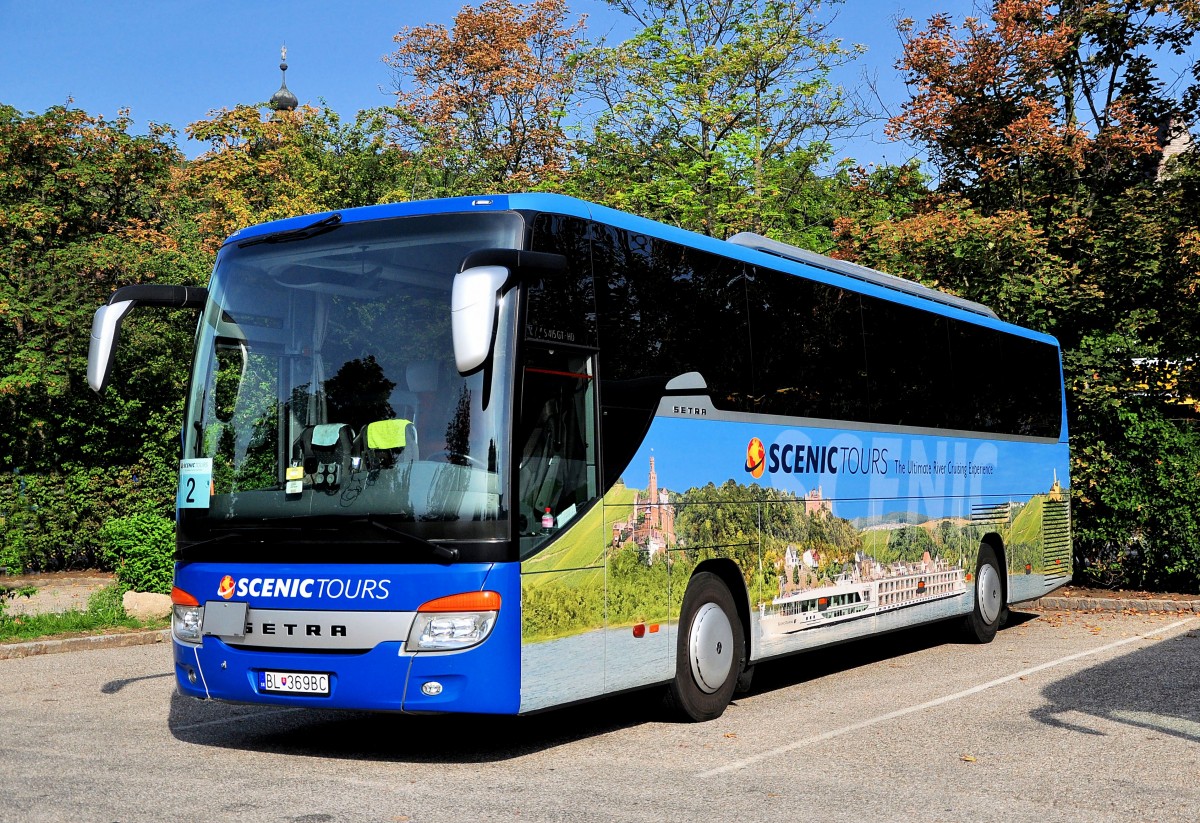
{"points": [[1066, 716]]}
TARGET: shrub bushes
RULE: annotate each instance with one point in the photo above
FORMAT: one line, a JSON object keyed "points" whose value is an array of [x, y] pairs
{"points": [[1135, 508], [140, 549], [51, 521]]}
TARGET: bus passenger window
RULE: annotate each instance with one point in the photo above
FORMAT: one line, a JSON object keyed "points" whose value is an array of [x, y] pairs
{"points": [[557, 442]]}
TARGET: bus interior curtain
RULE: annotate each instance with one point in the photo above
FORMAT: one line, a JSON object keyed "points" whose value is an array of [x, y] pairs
{"points": [[317, 410], [541, 459]]}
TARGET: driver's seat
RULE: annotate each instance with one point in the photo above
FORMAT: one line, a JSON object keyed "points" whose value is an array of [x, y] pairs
{"points": [[388, 442], [325, 449]]}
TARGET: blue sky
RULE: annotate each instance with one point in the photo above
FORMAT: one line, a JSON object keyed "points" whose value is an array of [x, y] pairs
{"points": [[172, 62]]}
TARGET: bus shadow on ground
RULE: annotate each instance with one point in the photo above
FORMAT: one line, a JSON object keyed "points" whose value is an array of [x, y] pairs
{"points": [[484, 738], [1151, 688], [784, 672], [404, 738]]}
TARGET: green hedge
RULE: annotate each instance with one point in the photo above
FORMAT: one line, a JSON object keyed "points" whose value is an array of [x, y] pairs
{"points": [[140, 549], [1137, 504], [52, 521]]}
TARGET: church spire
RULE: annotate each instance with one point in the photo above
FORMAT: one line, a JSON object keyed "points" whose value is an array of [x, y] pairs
{"points": [[283, 100]]}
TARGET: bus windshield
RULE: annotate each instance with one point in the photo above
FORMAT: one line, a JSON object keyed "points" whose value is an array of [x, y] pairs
{"points": [[325, 392]]}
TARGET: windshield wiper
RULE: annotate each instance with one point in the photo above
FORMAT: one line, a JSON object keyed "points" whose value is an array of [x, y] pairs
{"points": [[254, 534], [183, 551], [312, 230], [447, 553]]}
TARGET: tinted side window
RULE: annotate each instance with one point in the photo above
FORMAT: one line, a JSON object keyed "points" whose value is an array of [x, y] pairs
{"points": [[667, 309], [562, 309], [908, 361], [1005, 384], [979, 366], [1041, 412], [823, 352], [808, 348]]}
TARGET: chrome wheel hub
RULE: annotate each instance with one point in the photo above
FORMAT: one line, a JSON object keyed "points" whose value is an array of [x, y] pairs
{"points": [[990, 593], [711, 647]]}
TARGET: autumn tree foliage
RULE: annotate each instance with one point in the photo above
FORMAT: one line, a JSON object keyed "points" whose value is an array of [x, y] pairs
{"points": [[1044, 99], [266, 165], [1045, 122], [480, 106]]}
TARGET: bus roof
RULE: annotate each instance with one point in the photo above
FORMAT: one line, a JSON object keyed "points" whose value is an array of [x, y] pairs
{"points": [[889, 281], [746, 246]]}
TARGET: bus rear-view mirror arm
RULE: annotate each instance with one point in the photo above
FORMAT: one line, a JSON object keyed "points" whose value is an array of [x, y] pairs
{"points": [[106, 324], [475, 297]]}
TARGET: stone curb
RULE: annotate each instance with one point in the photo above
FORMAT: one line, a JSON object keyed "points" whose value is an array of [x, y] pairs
{"points": [[1110, 604], [10, 651]]}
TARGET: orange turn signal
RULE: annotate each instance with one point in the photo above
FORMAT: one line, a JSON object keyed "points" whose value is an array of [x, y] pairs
{"points": [[465, 602], [181, 598]]}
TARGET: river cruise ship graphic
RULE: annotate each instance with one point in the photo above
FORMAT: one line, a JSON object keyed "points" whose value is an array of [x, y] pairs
{"points": [[856, 595]]}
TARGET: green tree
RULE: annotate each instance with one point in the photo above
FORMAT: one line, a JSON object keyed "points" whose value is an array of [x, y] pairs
{"points": [[909, 544], [79, 209], [82, 210], [715, 113]]}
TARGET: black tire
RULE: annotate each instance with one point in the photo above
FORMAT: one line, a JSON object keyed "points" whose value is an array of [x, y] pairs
{"points": [[745, 680], [710, 652], [989, 610]]}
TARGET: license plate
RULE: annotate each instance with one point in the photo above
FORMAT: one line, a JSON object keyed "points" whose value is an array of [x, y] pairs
{"points": [[294, 683]]}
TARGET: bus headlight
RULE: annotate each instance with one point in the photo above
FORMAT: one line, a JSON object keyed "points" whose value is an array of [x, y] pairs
{"points": [[459, 621], [186, 623], [187, 617]]}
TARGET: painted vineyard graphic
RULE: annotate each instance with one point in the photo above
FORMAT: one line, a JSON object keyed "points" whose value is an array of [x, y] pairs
{"points": [[804, 566]]}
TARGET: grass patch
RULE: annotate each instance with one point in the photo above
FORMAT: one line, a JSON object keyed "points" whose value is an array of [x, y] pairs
{"points": [[104, 613]]}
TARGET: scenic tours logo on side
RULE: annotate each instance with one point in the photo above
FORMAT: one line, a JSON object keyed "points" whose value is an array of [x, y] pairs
{"points": [[809, 458], [755, 458]]}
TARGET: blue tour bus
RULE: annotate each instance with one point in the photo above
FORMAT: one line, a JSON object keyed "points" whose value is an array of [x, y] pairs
{"points": [[503, 453]]}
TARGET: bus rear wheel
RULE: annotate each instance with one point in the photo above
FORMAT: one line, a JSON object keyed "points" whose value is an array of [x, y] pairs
{"points": [[989, 610], [711, 650]]}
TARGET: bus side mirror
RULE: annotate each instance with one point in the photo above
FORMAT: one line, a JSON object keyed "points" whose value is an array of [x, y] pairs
{"points": [[106, 323], [475, 295], [106, 329], [474, 299]]}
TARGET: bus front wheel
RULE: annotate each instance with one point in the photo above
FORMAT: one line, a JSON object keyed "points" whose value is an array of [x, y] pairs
{"points": [[989, 610], [711, 650]]}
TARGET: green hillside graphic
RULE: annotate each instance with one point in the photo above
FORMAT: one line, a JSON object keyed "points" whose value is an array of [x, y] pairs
{"points": [[1027, 525], [584, 545], [563, 586]]}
